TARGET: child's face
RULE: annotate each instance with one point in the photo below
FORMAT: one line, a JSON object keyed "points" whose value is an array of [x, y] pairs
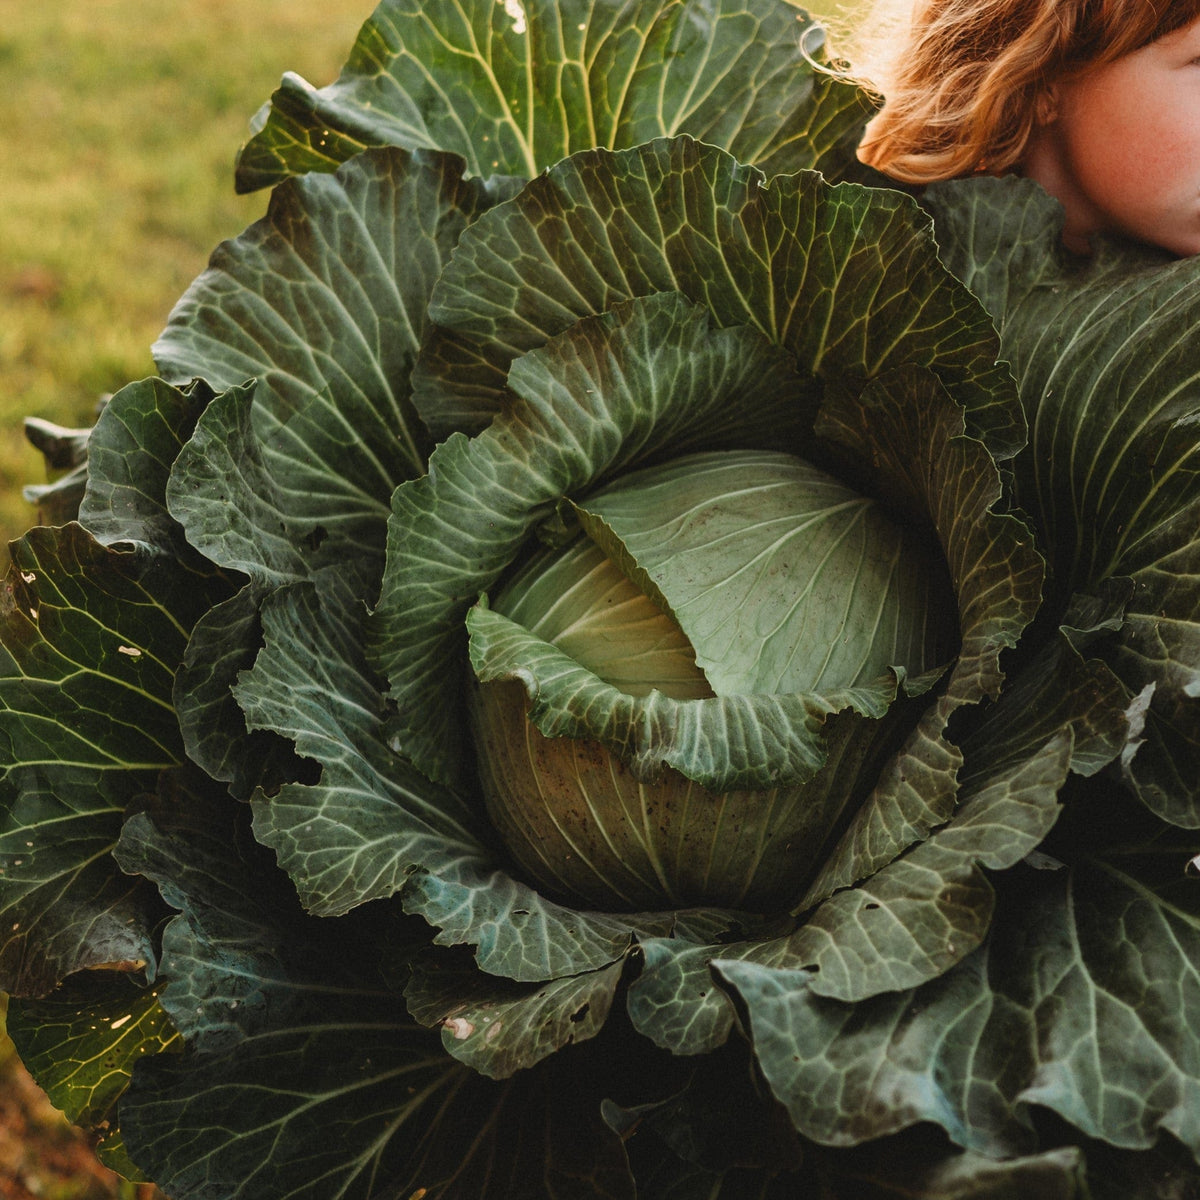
{"points": [[1123, 152]]}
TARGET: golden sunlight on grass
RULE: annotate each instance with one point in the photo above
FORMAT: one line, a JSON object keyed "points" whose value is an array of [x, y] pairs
{"points": [[119, 122]]}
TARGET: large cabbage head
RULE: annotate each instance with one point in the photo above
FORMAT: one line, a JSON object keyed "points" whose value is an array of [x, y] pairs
{"points": [[707, 581], [620, 658]]}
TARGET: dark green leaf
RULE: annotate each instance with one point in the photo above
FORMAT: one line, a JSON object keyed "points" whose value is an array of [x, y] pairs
{"points": [[224, 495], [225, 642], [62, 448], [364, 1106], [1108, 370], [1116, 985], [65, 452], [81, 1043], [133, 450], [91, 639], [514, 87], [846, 279], [324, 302], [358, 833], [920, 914], [922, 458], [953, 1052], [130, 454], [1085, 1000], [674, 1001], [498, 1027], [63, 906], [1056, 690], [303, 1076], [520, 934]]}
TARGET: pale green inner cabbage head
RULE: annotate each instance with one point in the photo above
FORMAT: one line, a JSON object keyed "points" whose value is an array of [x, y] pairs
{"points": [[716, 574]]}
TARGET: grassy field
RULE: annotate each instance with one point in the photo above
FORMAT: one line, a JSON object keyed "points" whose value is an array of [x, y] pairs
{"points": [[119, 121]]}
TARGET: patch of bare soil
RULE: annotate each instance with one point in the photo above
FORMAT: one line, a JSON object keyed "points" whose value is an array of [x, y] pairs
{"points": [[42, 1157]]}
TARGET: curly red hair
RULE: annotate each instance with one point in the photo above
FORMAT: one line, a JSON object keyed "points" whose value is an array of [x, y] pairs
{"points": [[972, 78]]}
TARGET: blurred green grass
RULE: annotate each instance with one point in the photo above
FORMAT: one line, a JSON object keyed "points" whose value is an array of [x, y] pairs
{"points": [[119, 122]]}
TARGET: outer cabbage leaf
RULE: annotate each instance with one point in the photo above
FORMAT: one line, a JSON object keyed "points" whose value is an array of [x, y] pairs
{"points": [[922, 459], [81, 1045], [893, 1174], [224, 642], [499, 1027], [91, 640], [293, 1023], [846, 279], [1109, 372], [401, 1109], [515, 86], [521, 935], [64, 908], [65, 453], [357, 833], [130, 452], [1084, 1000], [324, 303]]}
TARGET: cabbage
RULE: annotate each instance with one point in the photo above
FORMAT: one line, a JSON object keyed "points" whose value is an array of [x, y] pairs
{"points": [[620, 658], [759, 575]]}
